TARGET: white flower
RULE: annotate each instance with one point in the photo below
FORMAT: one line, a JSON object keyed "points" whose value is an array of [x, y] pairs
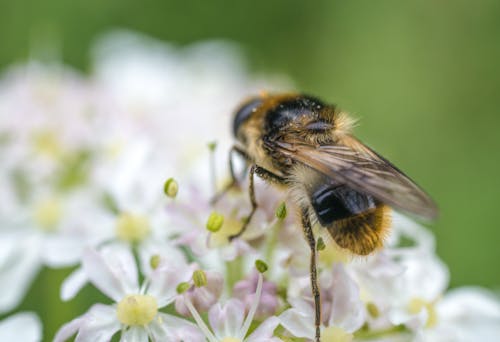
{"points": [[465, 315], [136, 310], [21, 327], [346, 314], [229, 324]]}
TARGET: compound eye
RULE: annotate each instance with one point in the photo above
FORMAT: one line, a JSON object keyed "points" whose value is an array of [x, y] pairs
{"points": [[244, 112]]}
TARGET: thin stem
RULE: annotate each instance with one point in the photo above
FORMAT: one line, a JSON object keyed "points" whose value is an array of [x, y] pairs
{"points": [[253, 308], [199, 321]]}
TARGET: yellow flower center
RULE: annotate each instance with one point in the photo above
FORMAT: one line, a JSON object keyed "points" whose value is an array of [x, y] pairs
{"points": [[336, 334], [137, 310], [230, 226], [47, 214], [230, 339], [46, 143], [417, 304], [132, 228], [332, 254]]}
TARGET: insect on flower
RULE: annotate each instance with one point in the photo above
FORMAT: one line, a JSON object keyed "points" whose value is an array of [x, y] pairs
{"points": [[304, 146]]}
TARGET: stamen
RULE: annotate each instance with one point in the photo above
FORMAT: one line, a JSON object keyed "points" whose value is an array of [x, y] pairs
{"points": [[171, 187], [201, 324], [253, 308]]}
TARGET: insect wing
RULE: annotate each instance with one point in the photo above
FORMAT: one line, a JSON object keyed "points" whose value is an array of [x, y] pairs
{"points": [[356, 165]]}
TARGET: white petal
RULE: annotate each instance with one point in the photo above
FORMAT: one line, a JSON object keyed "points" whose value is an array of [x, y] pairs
{"points": [[426, 276], [164, 283], [135, 334], [227, 320], [73, 284], [69, 329], [298, 323], [18, 269], [264, 333], [62, 250], [99, 324], [113, 271], [471, 303], [348, 311], [169, 328], [168, 254], [21, 327]]}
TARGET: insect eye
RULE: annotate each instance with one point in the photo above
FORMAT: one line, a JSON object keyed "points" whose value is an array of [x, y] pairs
{"points": [[244, 112]]}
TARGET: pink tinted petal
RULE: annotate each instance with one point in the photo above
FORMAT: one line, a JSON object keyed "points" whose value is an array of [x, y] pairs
{"points": [[169, 328], [135, 334], [21, 327], [227, 320], [265, 331], [99, 324], [68, 329], [298, 323], [348, 311], [73, 284], [111, 273]]}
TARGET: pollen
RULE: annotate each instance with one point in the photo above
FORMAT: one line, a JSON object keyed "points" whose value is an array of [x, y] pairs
{"points": [[336, 334], [230, 339], [137, 310], [229, 227], [48, 214], [418, 304], [132, 228]]}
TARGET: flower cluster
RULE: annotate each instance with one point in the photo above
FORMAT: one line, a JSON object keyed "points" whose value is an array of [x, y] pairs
{"points": [[112, 174]]}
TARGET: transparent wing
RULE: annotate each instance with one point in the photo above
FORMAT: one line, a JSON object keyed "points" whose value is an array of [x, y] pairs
{"points": [[356, 165]]}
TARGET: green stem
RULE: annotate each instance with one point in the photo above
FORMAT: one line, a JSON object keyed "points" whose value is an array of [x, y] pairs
{"points": [[371, 334]]}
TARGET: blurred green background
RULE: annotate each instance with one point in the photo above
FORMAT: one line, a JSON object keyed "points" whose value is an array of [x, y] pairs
{"points": [[423, 77]]}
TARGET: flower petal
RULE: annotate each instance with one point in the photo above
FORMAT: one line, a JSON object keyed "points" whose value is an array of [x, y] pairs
{"points": [[348, 311], [69, 329], [21, 327], [265, 331], [300, 323], [113, 270], [18, 268], [73, 284], [227, 320], [135, 334], [62, 250], [100, 323], [169, 328]]}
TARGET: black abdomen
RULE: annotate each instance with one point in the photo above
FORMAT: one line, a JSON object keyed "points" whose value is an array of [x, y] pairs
{"points": [[333, 203]]}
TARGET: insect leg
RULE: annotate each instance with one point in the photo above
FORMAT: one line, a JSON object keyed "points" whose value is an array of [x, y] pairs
{"points": [[234, 180], [308, 234], [251, 192], [265, 175]]}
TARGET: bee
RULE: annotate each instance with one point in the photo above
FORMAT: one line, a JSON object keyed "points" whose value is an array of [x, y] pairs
{"points": [[301, 144]]}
